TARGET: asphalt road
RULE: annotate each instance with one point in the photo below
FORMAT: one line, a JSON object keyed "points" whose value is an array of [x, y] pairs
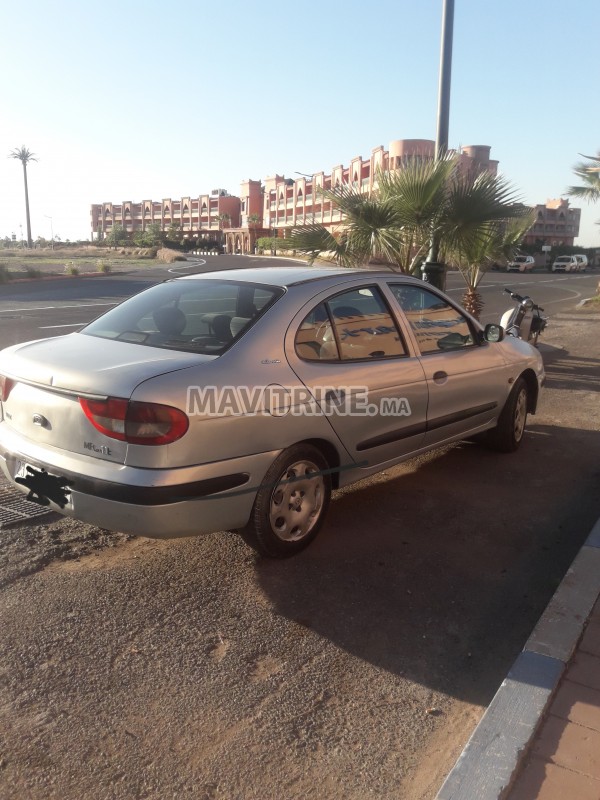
{"points": [[193, 668], [39, 309]]}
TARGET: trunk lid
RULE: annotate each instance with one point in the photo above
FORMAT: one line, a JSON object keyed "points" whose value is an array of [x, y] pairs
{"points": [[49, 376]]}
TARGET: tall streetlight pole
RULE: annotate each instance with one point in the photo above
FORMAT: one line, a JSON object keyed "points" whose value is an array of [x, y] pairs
{"points": [[443, 115], [432, 270]]}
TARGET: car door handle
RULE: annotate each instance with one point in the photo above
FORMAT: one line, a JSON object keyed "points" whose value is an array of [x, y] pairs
{"points": [[440, 377]]}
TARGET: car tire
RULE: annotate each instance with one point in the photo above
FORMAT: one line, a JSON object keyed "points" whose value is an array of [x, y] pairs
{"points": [[290, 504], [508, 433]]}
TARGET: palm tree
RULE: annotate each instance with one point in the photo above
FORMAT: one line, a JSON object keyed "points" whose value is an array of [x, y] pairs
{"points": [[392, 224], [419, 193], [225, 220], [254, 220], [470, 215], [484, 220], [589, 173], [25, 156], [369, 229], [474, 256]]}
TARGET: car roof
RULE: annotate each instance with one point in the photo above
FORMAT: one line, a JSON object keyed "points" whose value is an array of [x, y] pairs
{"points": [[291, 276]]}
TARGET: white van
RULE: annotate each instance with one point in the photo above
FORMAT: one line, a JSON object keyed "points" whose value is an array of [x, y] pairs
{"points": [[565, 264], [582, 261], [521, 264]]}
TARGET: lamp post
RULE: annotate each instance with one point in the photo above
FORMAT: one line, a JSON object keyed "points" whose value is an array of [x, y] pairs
{"points": [[432, 271], [51, 232]]}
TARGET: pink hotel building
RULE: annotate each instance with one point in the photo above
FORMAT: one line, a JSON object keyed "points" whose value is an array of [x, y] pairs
{"points": [[271, 207]]}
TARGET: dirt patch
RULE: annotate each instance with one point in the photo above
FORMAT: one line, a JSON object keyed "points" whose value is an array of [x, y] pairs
{"points": [[28, 548]]}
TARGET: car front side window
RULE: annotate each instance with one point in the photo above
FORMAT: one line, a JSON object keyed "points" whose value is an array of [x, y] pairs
{"points": [[436, 324]]}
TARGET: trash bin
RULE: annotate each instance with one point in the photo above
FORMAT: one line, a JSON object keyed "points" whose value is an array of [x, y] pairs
{"points": [[435, 274]]}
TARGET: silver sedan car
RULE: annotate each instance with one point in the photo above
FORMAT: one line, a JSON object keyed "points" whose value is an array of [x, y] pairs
{"points": [[238, 400]]}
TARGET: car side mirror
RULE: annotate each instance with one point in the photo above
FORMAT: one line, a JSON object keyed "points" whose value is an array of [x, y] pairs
{"points": [[493, 333]]}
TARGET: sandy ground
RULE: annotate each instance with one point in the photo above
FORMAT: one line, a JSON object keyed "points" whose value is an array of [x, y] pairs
{"points": [[133, 668]]}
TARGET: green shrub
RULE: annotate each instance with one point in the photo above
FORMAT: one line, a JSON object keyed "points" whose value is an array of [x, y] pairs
{"points": [[268, 243], [103, 266], [32, 272], [71, 268], [5, 275]]}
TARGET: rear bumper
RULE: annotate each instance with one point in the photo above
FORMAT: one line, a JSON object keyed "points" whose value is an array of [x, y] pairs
{"points": [[145, 502]]}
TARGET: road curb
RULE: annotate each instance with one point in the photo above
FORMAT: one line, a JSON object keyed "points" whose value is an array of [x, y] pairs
{"points": [[490, 760]]}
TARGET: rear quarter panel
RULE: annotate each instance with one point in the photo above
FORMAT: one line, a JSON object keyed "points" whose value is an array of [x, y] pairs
{"points": [[257, 361]]}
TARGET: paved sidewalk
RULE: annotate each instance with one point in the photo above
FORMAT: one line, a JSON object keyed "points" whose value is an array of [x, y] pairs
{"points": [[539, 738], [564, 759]]}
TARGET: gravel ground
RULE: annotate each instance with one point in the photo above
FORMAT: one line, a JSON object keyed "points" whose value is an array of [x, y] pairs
{"points": [[133, 668]]}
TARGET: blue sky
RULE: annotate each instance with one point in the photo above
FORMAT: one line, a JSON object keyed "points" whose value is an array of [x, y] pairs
{"points": [[133, 100]]}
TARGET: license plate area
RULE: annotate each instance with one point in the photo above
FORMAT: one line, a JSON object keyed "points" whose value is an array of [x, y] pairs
{"points": [[44, 487]]}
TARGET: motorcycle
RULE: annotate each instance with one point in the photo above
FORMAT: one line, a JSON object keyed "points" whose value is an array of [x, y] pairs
{"points": [[525, 320]]}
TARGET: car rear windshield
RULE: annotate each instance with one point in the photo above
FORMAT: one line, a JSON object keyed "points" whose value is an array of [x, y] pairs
{"points": [[200, 316]]}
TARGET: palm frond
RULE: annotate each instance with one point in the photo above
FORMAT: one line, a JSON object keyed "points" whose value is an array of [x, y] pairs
{"points": [[23, 154], [473, 203], [589, 174], [418, 189], [317, 241], [493, 240], [371, 226]]}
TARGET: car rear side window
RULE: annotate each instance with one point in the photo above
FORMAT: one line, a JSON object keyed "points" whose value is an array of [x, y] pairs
{"points": [[202, 316], [437, 325], [353, 325]]}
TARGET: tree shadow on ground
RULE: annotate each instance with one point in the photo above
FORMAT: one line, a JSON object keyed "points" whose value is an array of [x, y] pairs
{"points": [[574, 372]]}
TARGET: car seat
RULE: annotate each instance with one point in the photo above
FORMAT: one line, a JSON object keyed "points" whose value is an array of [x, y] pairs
{"points": [[169, 320], [221, 326]]}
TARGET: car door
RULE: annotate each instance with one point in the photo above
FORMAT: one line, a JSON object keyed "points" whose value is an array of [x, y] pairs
{"points": [[348, 351], [467, 378]]}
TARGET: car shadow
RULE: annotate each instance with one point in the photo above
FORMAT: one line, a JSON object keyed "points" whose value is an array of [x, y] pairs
{"points": [[434, 570]]}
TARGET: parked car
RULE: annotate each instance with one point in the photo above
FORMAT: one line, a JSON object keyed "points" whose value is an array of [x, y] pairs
{"points": [[521, 264], [566, 264], [237, 400]]}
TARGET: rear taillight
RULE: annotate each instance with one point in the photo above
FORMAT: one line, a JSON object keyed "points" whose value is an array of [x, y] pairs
{"points": [[6, 384], [135, 423]]}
